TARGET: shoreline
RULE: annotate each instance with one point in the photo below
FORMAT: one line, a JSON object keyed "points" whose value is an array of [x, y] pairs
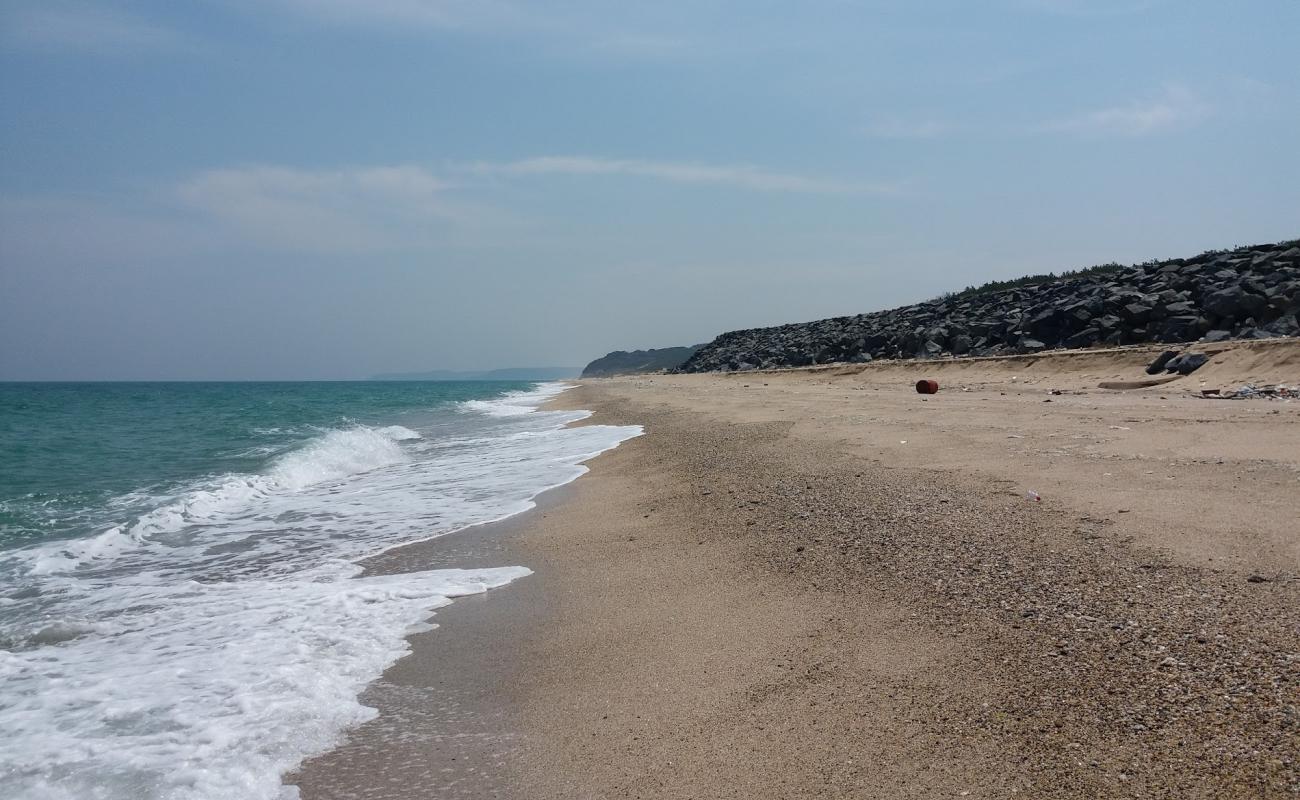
{"points": [[791, 588], [445, 711], [443, 714]]}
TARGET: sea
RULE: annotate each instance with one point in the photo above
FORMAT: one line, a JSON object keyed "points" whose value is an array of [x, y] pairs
{"points": [[182, 612]]}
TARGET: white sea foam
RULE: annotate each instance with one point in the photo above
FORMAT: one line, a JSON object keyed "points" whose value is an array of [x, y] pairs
{"points": [[213, 690], [203, 649], [400, 434], [331, 456], [518, 403], [338, 454]]}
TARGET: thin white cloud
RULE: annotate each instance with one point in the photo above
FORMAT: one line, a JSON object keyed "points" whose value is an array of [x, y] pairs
{"points": [[84, 28], [370, 208], [737, 176], [366, 209], [1177, 107]]}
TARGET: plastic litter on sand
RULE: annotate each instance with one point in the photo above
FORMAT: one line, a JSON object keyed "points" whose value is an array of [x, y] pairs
{"points": [[1248, 391]]}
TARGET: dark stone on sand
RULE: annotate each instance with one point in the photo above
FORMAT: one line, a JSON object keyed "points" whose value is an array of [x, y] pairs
{"points": [[1187, 363], [1158, 366]]}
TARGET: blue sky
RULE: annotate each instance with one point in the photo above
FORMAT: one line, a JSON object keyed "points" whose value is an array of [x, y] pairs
{"points": [[233, 189]]}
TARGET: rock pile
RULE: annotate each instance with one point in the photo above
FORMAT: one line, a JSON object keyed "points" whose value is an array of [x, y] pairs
{"points": [[1248, 293]]}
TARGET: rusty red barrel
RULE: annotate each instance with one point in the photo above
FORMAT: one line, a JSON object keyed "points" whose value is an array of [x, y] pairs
{"points": [[927, 386]]}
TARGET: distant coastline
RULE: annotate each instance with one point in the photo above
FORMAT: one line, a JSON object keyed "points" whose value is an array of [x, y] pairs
{"points": [[508, 374]]}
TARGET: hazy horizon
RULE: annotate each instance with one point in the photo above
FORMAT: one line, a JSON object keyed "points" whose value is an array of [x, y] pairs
{"points": [[334, 189]]}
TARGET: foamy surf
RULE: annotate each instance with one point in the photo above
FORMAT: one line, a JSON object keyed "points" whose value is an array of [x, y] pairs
{"points": [[517, 403], [211, 644], [210, 690], [331, 456]]}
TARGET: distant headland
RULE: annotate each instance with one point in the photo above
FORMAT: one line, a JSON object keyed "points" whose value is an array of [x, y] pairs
{"points": [[508, 374]]}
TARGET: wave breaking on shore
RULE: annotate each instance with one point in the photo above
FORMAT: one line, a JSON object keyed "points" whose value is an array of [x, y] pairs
{"points": [[205, 647]]}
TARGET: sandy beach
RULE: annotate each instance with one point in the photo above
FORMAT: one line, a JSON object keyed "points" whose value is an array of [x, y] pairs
{"points": [[818, 583]]}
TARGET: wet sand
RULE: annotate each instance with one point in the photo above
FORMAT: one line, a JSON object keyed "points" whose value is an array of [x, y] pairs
{"points": [[820, 584], [448, 726]]}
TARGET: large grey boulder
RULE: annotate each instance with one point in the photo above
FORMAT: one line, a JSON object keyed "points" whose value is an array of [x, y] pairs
{"points": [[1285, 325], [1158, 366], [1187, 363], [1224, 302], [1182, 328]]}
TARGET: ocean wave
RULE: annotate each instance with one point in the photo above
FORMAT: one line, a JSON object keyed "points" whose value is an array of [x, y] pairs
{"points": [[59, 557], [332, 456], [516, 403], [215, 689], [205, 650], [400, 434], [338, 454]]}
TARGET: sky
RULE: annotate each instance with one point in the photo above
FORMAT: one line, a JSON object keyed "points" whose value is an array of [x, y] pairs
{"points": [[329, 189]]}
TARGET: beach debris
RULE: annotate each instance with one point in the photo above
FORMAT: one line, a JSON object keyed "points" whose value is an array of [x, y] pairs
{"points": [[1033, 496], [902, 441], [927, 386], [1249, 391], [1120, 428]]}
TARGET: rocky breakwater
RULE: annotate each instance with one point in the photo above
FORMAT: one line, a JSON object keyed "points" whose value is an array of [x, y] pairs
{"points": [[1247, 293]]}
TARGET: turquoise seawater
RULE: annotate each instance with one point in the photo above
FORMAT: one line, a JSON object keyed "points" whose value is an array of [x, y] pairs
{"points": [[75, 456], [183, 615]]}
